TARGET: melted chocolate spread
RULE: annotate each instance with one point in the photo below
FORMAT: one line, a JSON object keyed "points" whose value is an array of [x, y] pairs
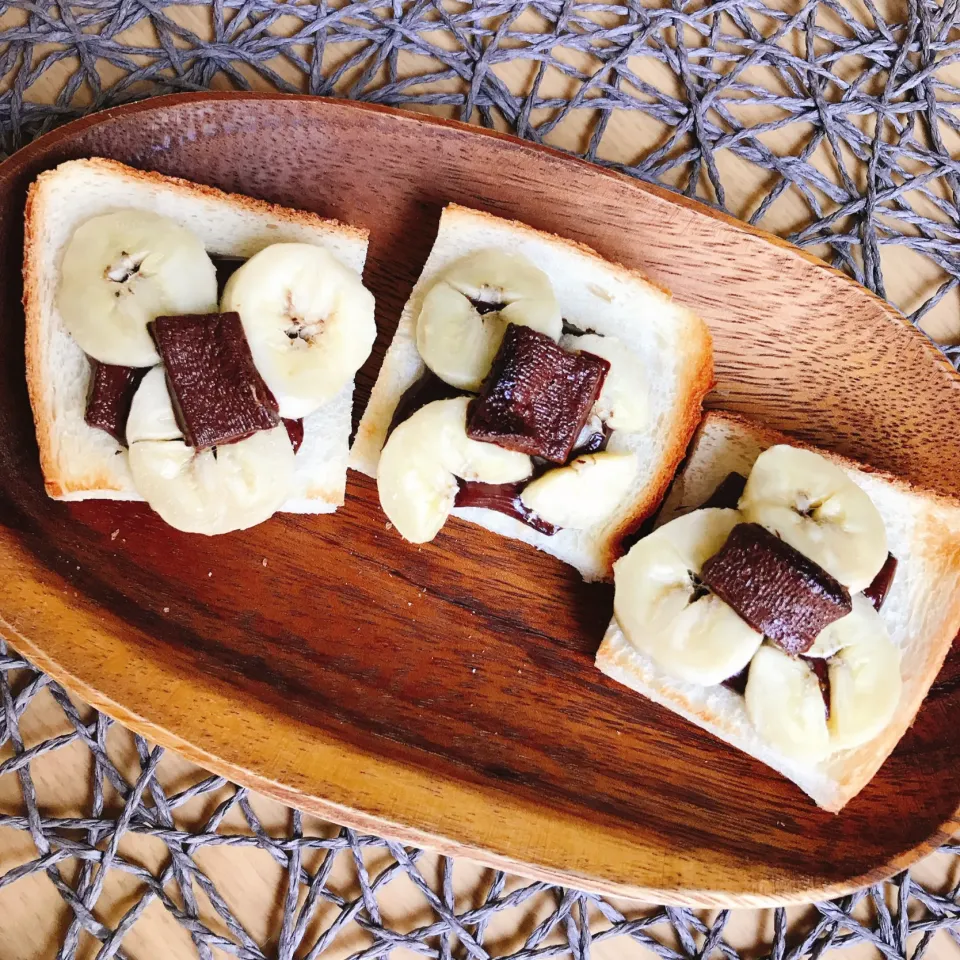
{"points": [[504, 498], [727, 495], [294, 432], [877, 592], [821, 668], [226, 267], [111, 393]]}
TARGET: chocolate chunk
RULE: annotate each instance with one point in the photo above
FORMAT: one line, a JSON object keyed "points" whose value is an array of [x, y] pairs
{"points": [[504, 498], [484, 307], [421, 392], [727, 495], [218, 395], [877, 592], [822, 671], [775, 588], [594, 442], [226, 267], [738, 682], [294, 432], [537, 396], [111, 393]]}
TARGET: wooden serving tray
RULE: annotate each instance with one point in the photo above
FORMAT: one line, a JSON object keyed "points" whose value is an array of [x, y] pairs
{"points": [[446, 694]]}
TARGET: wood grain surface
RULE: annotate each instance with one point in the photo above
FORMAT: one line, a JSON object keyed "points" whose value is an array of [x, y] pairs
{"points": [[446, 694]]}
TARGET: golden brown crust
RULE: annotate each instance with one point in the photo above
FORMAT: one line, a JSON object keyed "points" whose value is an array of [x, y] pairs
{"points": [[696, 381], [33, 343], [286, 214], [768, 436]]}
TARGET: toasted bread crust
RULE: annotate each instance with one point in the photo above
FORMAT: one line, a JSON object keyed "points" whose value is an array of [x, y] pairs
{"points": [[190, 188], [33, 344], [456, 211], [769, 437], [697, 380]]}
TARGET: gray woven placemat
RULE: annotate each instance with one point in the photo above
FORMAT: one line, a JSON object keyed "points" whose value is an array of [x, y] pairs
{"points": [[866, 97]]}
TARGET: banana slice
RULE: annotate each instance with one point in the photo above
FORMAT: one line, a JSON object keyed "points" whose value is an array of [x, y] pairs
{"points": [[456, 341], [623, 403], [124, 269], [309, 320], [235, 486], [785, 705], [416, 476], [816, 508], [582, 493], [151, 414], [665, 613], [865, 680]]}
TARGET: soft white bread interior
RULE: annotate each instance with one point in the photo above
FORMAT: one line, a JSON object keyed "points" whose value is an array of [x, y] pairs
{"points": [[81, 462], [921, 612], [672, 342]]}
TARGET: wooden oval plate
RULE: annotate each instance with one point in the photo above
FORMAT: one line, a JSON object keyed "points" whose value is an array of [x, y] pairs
{"points": [[446, 694]]}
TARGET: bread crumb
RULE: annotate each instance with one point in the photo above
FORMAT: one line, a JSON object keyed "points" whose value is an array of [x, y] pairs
{"points": [[115, 534]]}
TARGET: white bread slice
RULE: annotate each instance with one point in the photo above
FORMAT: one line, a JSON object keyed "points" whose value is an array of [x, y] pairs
{"points": [[80, 462], [922, 610], [673, 343]]}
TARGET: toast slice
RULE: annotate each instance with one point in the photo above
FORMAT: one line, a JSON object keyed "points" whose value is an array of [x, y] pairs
{"points": [[594, 294], [922, 610], [80, 462]]}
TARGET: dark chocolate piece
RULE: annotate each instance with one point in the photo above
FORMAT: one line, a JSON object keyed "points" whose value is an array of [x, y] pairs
{"points": [[877, 592], [596, 442], [218, 395], [484, 307], [537, 396], [738, 682], [111, 393], [775, 588], [421, 392], [727, 495], [504, 498], [821, 669], [294, 432], [226, 267]]}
